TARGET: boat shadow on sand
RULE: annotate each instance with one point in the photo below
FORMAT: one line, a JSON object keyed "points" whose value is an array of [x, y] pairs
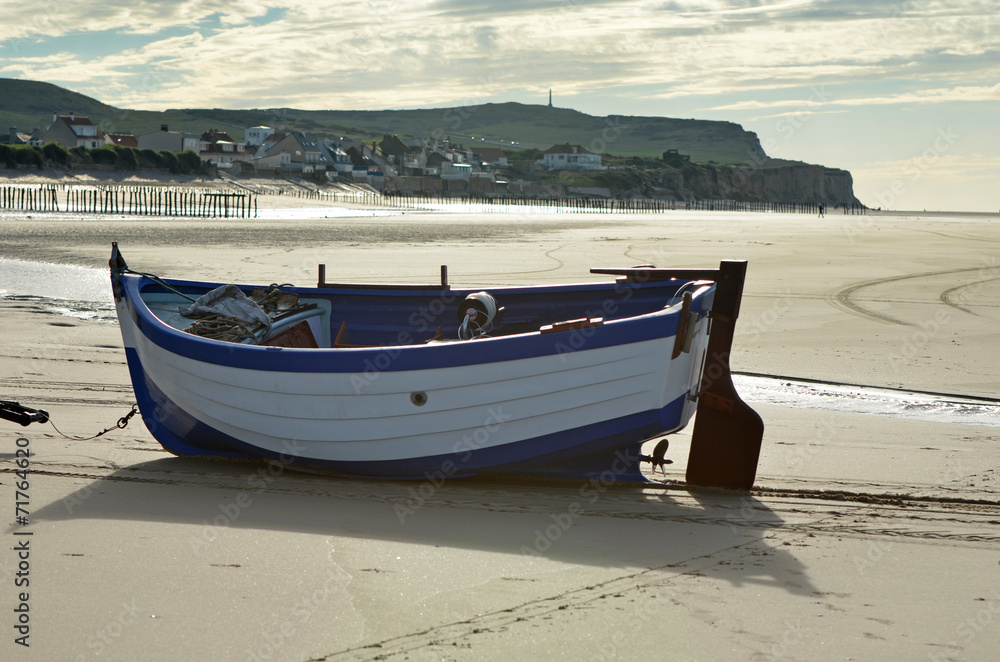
{"points": [[728, 536]]}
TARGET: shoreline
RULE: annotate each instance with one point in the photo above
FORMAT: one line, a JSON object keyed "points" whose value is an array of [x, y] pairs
{"points": [[272, 185]]}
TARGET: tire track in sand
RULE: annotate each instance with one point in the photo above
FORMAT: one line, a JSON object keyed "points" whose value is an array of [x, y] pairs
{"points": [[842, 298], [949, 297]]}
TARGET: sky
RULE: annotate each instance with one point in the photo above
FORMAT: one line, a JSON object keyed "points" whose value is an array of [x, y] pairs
{"points": [[905, 94]]}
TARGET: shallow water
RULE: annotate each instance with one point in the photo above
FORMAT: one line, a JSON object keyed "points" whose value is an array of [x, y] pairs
{"points": [[312, 213], [63, 289], [54, 281], [868, 400]]}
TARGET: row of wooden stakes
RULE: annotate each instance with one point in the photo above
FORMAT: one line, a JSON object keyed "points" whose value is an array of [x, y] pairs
{"points": [[131, 200]]}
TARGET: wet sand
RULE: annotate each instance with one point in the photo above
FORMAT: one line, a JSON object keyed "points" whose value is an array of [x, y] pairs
{"points": [[868, 537]]}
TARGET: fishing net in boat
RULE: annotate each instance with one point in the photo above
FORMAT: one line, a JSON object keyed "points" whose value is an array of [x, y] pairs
{"points": [[221, 327], [226, 313]]}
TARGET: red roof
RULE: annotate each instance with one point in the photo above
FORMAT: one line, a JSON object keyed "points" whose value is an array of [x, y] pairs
{"points": [[81, 120], [566, 149], [491, 154], [124, 139], [75, 123]]}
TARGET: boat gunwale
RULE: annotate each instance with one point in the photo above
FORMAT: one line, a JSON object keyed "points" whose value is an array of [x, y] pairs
{"points": [[626, 330]]}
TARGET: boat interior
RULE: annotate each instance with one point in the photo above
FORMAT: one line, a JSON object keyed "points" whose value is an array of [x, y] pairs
{"points": [[406, 315]]}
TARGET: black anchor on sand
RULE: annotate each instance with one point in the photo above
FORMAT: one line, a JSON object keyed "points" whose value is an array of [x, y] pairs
{"points": [[657, 459]]}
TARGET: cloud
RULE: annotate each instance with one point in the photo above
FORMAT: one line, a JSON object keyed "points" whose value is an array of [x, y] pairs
{"points": [[798, 114], [381, 54], [54, 18], [486, 10], [486, 37], [926, 96], [944, 167]]}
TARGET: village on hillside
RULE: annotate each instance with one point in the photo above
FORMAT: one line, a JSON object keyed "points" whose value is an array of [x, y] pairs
{"points": [[434, 166], [412, 164]]}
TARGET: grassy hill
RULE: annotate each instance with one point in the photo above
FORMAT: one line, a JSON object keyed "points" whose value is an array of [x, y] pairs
{"points": [[513, 125], [29, 104]]}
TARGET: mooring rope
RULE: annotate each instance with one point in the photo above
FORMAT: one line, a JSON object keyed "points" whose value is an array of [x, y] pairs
{"points": [[159, 281]]}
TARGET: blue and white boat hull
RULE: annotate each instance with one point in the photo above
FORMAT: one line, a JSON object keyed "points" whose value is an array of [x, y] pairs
{"points": [[577, 402]]}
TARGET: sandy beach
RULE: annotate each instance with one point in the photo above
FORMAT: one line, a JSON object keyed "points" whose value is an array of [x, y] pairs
{"points": [[867, 536]]}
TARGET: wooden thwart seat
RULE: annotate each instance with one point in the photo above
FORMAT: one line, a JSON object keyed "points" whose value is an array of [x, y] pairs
{"points": [[570, 325]]}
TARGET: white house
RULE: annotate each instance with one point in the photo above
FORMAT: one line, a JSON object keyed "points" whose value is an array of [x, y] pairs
{"points": [[71, 131], [570, 157], [256, 135]]}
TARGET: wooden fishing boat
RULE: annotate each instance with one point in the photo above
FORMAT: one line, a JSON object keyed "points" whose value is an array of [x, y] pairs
{"points": [[430, 381]]}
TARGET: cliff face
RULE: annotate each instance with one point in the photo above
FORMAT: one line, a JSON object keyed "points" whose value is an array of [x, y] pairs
{"points": [[775, 181], [784, 182]]}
